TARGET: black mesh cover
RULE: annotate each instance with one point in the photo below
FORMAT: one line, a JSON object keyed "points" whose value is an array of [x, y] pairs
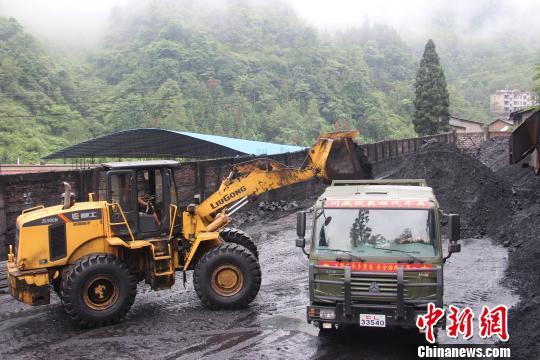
{"points": [[57, 241]]}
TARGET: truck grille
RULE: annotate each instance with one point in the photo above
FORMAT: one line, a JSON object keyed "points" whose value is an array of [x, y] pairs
{"points": [[384, 285], [370, 287]]}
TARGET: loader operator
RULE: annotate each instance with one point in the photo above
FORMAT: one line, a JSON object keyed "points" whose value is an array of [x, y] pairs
{"points": [[146, 207], [144, 204]]}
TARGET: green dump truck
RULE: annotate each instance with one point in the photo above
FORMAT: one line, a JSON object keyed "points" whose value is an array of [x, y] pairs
{"points": [[376, 257]]}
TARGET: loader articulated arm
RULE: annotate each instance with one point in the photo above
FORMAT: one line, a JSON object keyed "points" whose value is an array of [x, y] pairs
{"points": [[334, 156]]}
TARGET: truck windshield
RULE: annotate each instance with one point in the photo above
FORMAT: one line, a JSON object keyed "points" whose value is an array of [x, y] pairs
{"points": [[377, 232]]}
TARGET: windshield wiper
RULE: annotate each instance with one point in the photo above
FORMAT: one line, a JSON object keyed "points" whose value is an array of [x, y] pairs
{"points": [[353, 256], [401, 251]]}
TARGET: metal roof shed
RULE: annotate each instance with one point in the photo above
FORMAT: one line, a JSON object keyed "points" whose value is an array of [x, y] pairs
{"points": [[160, 143]]}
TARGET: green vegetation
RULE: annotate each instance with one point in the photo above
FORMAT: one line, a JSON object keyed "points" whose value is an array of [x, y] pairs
{"points": [[536, 79], [431, 100], [476, 67], [42, 106], [241, 69]]}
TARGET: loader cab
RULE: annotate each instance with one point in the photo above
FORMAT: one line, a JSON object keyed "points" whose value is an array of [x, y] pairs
{"points": [[144, 190]]}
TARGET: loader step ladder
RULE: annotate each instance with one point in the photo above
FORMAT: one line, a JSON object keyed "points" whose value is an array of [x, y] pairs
{"points": [[162, 267], [115, 208]]}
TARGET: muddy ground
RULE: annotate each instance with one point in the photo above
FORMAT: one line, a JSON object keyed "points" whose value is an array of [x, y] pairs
{"points": [[520, 233], [174, 325], [498, 262]]}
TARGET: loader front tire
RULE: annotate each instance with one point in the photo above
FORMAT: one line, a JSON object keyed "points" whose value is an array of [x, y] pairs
{"points": [[227, 277], [235, 236], [97, 290]]}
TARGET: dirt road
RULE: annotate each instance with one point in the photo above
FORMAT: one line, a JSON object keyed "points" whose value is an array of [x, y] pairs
{"points": [[173, 324]]}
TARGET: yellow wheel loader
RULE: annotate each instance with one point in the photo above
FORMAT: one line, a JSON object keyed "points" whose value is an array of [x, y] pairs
{"points": [[94, 253]]}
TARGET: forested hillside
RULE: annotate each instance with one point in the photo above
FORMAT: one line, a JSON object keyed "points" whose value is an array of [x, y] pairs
{"points": [[44, 102], [253, 71], [242, 69], [477, 67]]}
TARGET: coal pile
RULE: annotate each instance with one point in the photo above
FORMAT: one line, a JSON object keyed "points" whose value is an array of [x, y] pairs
{"points": [[3, 278], [269, 210], [497, 199], [494, 153], [462, 185], [520, 234], [281, 205]]}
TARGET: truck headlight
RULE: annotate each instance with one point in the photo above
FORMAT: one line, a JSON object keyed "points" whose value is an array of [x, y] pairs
{"points": [[327, 314]]}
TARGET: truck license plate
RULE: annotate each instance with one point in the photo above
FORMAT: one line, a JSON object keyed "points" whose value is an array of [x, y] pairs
{"points": [[372, 320]]}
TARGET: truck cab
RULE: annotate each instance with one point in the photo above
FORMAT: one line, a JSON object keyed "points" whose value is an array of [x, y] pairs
{"points": [[376, 254]]}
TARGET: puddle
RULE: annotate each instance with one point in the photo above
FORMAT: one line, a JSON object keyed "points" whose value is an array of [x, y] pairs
{"points": [[474, 277]]}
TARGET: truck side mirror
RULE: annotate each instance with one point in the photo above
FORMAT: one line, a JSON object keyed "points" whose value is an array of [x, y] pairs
{"points": [[443, 217], [301, 229], [453, 220], [453, 246]]}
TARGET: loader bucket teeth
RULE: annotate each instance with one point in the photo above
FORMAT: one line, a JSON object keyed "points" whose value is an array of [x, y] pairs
{"points": [[346, 161]]}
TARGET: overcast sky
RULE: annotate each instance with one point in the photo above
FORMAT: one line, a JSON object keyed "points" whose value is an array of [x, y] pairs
{"points": [[82, 20]]}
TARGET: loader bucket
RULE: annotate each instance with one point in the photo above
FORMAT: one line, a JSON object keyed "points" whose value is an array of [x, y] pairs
{"points": [[347, 161]]}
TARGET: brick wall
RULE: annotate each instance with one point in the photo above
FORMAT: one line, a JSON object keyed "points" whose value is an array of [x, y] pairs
{"points": [[469, 141], [22, 191], [18, 192]]}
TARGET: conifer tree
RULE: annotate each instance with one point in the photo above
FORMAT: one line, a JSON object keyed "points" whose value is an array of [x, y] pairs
{"points": [[431, 102]]}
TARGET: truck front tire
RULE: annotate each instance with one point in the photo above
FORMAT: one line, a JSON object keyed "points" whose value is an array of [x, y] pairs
{"points": [[97, 290], [227, 277]]}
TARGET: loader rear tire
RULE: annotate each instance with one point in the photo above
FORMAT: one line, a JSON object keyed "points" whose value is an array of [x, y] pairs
{"points": [[97, 290], [227, 277], [239, 237]]}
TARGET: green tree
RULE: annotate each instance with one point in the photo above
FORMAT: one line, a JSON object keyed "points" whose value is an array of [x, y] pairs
{"points": [[360, 232], [431, 102]]}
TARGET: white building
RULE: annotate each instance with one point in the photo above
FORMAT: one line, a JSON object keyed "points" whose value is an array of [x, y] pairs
{"points": [[503, 102]]}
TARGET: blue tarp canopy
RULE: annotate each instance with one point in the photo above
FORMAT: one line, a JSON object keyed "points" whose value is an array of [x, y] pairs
{"points": [[160, 143]]}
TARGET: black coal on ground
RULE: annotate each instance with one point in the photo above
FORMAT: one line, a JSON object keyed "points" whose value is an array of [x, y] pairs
{"points": [[497, 199], [521, 234], [493, 153], [461, 184]]}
